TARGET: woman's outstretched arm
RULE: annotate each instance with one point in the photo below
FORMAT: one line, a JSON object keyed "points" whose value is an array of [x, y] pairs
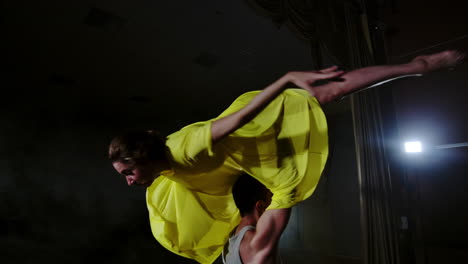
{"points": [[364, 77], [349, 83]]}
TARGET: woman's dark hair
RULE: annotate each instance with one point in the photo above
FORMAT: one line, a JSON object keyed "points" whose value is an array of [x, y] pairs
{"points": [[247, 191], [137, 147]]}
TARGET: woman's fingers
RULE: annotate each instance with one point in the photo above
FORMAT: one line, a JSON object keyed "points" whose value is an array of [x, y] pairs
{"points": [[306, 80], [329, 69], [330, 75]]}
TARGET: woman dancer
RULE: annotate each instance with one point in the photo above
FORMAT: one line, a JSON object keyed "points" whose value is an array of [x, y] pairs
{"points": [[278, 136]]}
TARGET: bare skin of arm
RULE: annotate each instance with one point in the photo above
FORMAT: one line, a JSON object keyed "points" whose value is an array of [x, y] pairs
{"points": [[350, 82], [263, 243]]}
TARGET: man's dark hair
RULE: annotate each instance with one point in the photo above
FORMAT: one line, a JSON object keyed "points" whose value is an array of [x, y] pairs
{"points": [[246, 192]]}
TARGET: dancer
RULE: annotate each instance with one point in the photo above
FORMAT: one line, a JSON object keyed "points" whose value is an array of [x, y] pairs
{"points": [[278, 136], [256, 238]]}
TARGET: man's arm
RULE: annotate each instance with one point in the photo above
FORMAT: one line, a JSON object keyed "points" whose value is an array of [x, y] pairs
{"points": [[268, 232]]}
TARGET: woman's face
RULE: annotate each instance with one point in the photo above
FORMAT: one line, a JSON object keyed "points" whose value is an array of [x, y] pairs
{"points": [[142, 175]]}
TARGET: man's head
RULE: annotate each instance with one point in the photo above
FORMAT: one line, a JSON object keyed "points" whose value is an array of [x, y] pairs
{"points": [[250, 195]]}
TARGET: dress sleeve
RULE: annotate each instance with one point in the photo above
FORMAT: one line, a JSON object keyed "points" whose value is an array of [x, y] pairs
{"points": [[187, 144]]}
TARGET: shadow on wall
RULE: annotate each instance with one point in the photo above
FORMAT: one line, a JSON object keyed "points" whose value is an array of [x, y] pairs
{"points": [[60, 201]]}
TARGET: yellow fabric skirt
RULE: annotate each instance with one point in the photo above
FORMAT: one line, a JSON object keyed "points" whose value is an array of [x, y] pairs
{"points": [[285, 147]]}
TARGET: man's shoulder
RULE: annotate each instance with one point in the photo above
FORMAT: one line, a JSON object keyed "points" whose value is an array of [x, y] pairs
{"points": [[246, 251]]}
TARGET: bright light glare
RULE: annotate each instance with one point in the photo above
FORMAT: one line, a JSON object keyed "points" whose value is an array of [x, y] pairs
{"points": [[413, 146]]}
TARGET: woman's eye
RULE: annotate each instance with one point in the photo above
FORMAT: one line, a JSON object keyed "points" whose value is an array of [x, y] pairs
{"points": [[127, 172]]}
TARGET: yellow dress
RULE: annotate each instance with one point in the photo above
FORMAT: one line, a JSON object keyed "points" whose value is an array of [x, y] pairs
{"points": [[285, 147]]}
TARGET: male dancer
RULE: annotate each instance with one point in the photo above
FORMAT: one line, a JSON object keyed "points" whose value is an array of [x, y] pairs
{"points": [[257, 236]]}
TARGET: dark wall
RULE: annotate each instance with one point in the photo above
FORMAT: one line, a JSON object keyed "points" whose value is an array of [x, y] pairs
{"points": [[60, 199], [433, 109]]}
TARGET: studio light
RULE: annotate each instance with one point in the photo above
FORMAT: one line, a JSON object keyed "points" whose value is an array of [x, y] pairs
{"points": [[413, 146]]}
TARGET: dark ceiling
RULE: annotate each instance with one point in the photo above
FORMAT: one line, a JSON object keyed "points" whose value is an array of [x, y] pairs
{"points": [[169, 61]]}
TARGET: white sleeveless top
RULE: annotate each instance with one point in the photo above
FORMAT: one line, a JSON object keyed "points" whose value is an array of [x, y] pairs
{"points": [[233, 255]]}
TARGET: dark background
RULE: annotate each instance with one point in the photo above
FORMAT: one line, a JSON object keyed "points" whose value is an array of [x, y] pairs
{"points": [[76, 73]]}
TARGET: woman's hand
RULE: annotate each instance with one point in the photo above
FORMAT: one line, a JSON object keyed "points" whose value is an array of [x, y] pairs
{"points": [[306, 80]]}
